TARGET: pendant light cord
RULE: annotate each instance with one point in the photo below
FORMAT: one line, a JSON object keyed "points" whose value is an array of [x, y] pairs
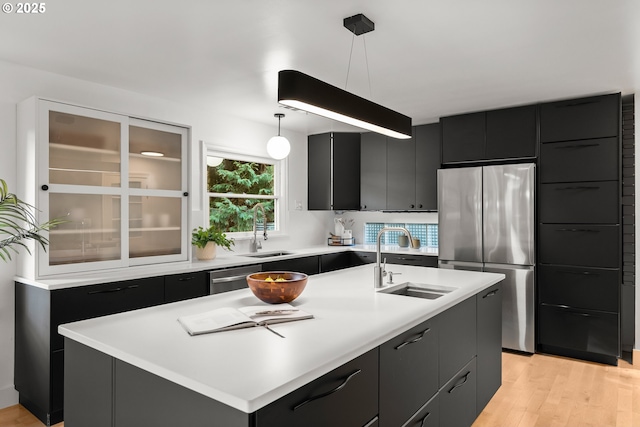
{"points": [[349, 66], [366, 59]]}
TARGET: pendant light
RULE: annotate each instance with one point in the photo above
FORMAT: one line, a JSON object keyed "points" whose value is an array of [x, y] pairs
{"points": [[278, 146], [301, 91]]}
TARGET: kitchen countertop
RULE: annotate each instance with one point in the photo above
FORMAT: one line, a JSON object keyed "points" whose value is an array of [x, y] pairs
{"points": [[249, 368], [225, 259]]}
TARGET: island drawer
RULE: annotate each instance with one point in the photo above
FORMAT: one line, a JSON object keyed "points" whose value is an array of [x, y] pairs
{"points": [[408, 373], [346, 396]]}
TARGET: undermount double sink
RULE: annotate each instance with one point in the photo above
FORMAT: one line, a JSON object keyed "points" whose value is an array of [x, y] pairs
{"points": [[418, 290]]}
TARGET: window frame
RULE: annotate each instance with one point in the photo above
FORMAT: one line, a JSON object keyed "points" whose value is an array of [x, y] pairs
{"points": [[279, 189]]}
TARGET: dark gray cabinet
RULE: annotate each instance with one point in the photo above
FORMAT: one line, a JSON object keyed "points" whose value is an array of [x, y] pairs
{"points": [[511, 133], [373, 171], [408, 259], [408, 373], [39, 349], [463, 137], [334, 171], [400, 174], [489, 339], [307, 265], [576, 161], [346, 396], [179, 287], [456, 339], [579, 231], [427, 159], [508, 133], [426, 376], [575, 119], [337, 261], [457, 399]]}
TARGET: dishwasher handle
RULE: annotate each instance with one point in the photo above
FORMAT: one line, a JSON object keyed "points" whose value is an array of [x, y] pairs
{"points": [[227, 279]]}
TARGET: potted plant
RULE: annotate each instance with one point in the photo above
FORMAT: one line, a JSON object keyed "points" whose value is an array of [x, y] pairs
{"points": [[18, 223], [207, 239]]}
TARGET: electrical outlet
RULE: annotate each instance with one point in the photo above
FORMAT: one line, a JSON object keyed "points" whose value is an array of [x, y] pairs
{"points": [[298, 205]]}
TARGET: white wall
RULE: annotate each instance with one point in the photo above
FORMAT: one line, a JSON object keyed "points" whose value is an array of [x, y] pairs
{"points": [[18, 83]]}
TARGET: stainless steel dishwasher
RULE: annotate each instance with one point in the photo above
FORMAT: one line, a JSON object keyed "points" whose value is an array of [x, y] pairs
{"points": [[231, 279]]}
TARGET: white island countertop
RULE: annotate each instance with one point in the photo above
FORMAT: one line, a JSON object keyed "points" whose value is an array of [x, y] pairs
{"points": [[249, 368]]}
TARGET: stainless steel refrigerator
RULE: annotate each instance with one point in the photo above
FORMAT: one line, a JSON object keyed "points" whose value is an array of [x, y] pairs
{"points": [[486, 222]]}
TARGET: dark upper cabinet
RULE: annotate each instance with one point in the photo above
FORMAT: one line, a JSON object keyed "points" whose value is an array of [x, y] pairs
{"points": [[334, 171], [490, 135], [463, 137], [511, 133], [401, 174], [373, 171], [592, 117], [427, 159]]}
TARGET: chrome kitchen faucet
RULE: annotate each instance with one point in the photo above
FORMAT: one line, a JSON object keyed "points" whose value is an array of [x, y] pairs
{"points": [[254, 245], [379, 272]]}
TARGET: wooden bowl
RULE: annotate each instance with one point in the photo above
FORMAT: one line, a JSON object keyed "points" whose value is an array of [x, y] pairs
{"points": [[276, 287]]}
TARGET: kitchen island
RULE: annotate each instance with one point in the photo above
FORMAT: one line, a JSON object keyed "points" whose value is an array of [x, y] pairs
{"points": [[142, 368]]}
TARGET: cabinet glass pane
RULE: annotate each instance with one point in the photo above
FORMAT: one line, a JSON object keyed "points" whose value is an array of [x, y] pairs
{"points": [[154, 226], [91, 231], [83, 150], [156, 155]]}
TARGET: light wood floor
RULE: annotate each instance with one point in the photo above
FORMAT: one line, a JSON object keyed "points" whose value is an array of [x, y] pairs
{"points": [[537, 391]]}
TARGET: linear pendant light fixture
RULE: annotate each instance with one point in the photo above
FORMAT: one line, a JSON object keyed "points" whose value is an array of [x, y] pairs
{"points": [[301, 91]]}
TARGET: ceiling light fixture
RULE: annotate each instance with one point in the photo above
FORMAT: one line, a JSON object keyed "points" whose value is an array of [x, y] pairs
{"points": [[278, 146], [299, 90]]}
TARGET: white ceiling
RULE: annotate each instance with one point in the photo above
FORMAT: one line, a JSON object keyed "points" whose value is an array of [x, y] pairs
{"points": [[426, 58]]}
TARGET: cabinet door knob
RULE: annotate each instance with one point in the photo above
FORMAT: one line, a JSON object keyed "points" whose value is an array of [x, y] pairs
{"points": [[185, 194], [413, 206], [45, 187], [420, 205]]}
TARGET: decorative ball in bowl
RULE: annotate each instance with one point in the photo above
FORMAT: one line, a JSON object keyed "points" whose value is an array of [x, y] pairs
{"points": [[276, 287]]}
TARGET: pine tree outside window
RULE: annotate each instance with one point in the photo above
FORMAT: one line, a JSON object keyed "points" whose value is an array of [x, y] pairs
{"points": [[235, 186]]}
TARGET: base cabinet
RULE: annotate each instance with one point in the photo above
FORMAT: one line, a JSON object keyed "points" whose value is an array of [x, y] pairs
{"points": [[425, 376], [457, 399]]}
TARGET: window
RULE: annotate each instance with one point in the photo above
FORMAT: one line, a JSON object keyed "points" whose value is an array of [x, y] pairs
{"points": [[235, 186]]}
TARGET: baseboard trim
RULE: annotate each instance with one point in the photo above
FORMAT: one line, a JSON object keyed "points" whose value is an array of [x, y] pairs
{"points": [[8, 397]]}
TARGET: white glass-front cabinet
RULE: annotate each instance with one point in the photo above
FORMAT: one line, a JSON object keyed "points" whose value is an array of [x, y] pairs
{"points": [[119, 183]]}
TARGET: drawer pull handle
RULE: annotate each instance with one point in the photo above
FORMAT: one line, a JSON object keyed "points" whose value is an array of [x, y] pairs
{"points": [[579, 187], [461, 383], [576, 104], [490, 294], [106, 291], [320, 396], [424, 420], [185, 279], [578, 230], [415, 340], [580, 273], [112, 290], [570, 147]]}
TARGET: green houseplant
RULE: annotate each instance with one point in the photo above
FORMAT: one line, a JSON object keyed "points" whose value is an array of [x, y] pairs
{"points": [[18, 223], [207, 239]]}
